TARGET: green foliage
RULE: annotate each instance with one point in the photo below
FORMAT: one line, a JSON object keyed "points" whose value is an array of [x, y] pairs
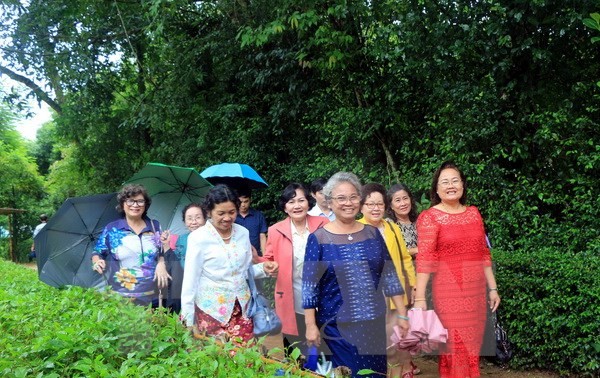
{"points": [[75, 332], [388, 90], [550, 308], [593, 23], [20, 186]]}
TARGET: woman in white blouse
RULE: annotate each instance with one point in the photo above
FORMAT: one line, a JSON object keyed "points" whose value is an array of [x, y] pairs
{"points": [[215, 294]]}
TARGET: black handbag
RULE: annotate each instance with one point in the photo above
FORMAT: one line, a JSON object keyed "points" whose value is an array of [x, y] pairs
{"points": [[504, 348], [264, 317]]}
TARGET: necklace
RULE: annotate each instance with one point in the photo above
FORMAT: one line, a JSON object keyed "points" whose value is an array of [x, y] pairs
{"points": [[227, 237], [350, 237], [454, 210]]}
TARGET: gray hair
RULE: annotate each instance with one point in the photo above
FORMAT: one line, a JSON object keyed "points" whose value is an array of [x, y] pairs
{"points": [[338, 179]]}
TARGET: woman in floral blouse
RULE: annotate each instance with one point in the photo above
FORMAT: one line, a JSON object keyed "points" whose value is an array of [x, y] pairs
{"points": [[129, 249], [215, 294]]}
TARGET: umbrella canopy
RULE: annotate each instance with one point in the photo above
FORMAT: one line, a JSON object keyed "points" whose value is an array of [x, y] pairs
{"points": [[236, 175], [426, 332], [64, 246], [171, 189]]}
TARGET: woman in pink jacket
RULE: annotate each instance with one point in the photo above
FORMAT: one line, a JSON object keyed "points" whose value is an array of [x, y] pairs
{"points": [[286, 244]]}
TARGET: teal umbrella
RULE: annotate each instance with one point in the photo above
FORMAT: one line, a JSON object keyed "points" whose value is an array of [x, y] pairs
{"points": [[171, 189], [236, 175]]}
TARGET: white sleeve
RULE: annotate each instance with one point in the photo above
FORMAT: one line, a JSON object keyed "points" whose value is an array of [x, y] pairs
{"points": [[191, 276]]}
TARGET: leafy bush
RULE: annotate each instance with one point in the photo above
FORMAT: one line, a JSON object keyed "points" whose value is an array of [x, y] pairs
{"points": [[79, 332], [551, 308]]}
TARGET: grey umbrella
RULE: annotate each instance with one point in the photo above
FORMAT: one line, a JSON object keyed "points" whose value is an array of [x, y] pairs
{"points": [[64, 246]]}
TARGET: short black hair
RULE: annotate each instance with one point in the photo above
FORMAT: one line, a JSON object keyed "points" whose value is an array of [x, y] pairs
{"points": [[290, 192], [317, 185], [220, 193], [244, 192], [412, 214], [189, 206], [44, 218], [371, 188], [129, 191], [434, 196]]}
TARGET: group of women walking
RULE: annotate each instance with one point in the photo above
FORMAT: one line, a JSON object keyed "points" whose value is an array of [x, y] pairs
{"points": [[341, 285]]}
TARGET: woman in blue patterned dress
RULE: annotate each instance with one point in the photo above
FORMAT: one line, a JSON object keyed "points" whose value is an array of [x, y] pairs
{"points": [[129, 249], [347, 272]]}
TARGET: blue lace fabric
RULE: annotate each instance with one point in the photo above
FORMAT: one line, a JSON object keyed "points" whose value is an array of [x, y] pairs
{"points": [[346, 277]]}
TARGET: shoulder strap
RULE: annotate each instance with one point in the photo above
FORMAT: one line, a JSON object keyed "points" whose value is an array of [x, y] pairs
{"points": [[251, 283], [161, 251]]}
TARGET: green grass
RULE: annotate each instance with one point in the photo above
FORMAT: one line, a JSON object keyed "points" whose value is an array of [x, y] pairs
{"points": [[76, 332]]}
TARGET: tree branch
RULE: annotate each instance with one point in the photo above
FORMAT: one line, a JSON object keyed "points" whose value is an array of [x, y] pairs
{"points": [[39, 92]]}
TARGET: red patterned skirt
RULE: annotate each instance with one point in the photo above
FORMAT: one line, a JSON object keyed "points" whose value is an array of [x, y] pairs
{"points": [[238, 329]]}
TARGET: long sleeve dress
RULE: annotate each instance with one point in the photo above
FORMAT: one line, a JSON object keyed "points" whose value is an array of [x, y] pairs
{"points": [[453, 248], [214, 293], [345, 278]]}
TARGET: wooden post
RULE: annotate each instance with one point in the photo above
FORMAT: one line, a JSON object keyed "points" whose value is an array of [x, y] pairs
{"points": [[13, 243]]}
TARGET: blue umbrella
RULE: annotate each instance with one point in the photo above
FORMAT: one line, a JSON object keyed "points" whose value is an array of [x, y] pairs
{"points": [[236, 175]]}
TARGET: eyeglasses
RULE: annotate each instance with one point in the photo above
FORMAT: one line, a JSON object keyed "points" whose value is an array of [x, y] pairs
{"points": [[131, 202], [343, 199], [446, 183], [372, 205], [192, 219]]}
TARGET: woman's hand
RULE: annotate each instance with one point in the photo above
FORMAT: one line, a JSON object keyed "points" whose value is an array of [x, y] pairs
{"points": [[98, 265], [161, 276], [494, 300], [164, 239], [413, 295], [403, 326], [420, 303], [313, 336], [271, 268]]}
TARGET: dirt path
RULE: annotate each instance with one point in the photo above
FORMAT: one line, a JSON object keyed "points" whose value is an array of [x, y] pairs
{"points": [[428, 365]]}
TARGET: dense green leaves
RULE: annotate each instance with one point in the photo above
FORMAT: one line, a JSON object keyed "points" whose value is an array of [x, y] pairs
{"points": [[79, 332], [549, 294], [389, 90]]}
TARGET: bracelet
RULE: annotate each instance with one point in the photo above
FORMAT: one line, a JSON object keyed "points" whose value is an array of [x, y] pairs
{"points": [[493, 289], [420, 300], [403, 317]]}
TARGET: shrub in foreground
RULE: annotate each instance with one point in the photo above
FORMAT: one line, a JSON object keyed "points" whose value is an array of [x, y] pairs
{"points": [[551, 309], [79, 332]]}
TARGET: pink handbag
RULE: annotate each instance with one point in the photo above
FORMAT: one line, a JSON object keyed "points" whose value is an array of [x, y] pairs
{"points": [[426, 332]]}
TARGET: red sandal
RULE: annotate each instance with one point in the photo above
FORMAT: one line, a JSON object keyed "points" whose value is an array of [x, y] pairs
{"points": [[415, 369]]}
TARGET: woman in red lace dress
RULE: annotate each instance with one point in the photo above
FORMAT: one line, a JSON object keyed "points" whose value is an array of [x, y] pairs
{"points": [[453, 251]]}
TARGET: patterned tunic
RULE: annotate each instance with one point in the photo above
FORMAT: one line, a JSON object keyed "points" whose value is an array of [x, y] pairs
{"points": [[131, 258], [453, 246], [409, 231], [215, 273]]}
